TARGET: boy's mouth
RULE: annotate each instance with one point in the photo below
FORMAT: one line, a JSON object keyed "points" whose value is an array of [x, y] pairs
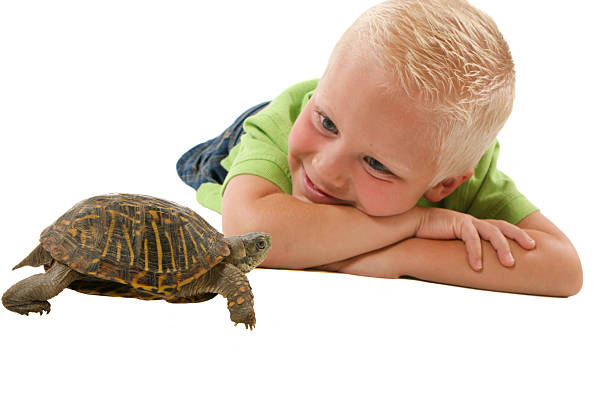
{"points": [[316, 194]]}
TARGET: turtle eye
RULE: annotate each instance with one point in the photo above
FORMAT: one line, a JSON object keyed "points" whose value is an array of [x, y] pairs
{"points": [[261, 245]]}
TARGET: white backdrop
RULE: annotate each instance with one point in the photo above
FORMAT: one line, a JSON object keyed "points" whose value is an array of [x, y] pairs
{"points": [[99, 97]]}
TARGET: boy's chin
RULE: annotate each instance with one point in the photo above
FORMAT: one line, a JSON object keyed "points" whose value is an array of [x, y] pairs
{"points": [[302, 198]]}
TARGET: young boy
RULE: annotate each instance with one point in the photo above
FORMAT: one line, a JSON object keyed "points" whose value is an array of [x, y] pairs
{"points": [[384, 165]]}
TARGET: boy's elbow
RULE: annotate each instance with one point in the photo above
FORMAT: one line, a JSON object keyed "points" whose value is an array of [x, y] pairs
{"points": [[573, 279], [568, 277]]}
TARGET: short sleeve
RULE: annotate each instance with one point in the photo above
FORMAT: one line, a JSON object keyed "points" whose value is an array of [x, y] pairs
{"points": [[263, 149], [488, 194]]}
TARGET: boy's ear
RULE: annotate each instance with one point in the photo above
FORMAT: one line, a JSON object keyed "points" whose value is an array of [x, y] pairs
{"points": [[446, 186]]}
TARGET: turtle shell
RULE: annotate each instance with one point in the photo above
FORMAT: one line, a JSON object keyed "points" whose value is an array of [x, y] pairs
{"points": [[150, 244]]}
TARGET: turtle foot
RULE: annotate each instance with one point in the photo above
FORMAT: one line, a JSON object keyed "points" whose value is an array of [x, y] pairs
{"points": [[32, 307], [248, 319]]}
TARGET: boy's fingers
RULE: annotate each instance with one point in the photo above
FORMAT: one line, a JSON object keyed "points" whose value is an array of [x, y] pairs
{"points": [[471, 239], [519, 235], [498, 240]]}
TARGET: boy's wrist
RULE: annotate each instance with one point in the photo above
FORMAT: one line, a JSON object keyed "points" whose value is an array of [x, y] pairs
{"points": [[413, 220]]}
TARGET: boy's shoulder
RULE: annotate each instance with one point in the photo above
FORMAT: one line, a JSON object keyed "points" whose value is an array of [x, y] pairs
{"points": [[289, 103], [488, 194]]}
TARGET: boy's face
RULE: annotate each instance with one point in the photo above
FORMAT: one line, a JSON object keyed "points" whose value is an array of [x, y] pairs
{"points": [[354, 144]]}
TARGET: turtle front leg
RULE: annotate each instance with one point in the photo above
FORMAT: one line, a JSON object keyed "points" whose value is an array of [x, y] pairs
{"points": [[233, 285], [31, 294]]}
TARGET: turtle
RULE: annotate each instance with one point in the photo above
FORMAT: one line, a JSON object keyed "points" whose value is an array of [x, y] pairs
{"points": [[143, 247]]}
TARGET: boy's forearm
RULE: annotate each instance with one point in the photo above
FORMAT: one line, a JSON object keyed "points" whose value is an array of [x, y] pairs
{"points": [[305, 234], [551, 269]]}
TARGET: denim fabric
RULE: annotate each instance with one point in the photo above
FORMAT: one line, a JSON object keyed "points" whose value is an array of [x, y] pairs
{"points": [[202, 163]]}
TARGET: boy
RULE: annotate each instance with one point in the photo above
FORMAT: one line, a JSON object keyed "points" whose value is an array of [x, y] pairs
{"points": [[380, 167]]}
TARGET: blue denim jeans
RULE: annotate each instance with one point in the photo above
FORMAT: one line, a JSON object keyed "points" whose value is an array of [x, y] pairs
{"points": [[202, 163]]}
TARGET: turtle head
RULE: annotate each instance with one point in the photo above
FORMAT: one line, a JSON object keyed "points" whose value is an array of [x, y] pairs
{"points": [[248, 250]]}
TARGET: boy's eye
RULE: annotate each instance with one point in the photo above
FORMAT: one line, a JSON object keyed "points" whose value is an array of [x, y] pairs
{"points": [[376, 165], [328, 124]]}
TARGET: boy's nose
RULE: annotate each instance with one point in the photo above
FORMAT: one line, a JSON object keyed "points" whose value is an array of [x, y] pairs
{"points": [[332, 169]]}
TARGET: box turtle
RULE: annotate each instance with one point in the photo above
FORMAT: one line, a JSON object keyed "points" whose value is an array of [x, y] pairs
{"points": [[140, 247]]}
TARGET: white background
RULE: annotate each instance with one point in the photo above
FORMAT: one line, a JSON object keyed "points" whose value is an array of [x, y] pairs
{"points": [[99, 97]]}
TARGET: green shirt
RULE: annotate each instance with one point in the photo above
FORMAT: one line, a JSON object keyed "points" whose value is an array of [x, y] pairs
{"points": [[263, 151]]}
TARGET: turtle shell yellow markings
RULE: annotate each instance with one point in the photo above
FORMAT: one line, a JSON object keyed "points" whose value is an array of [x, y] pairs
{"points": [[169, 239], [151, 244], [126, 236], [158, 245], [109, 235], [142, 247], [185, 252], [146, 255]]}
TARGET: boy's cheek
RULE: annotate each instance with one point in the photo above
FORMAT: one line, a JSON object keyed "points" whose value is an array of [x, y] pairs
{"points": [[303, 135], [381, 203]]}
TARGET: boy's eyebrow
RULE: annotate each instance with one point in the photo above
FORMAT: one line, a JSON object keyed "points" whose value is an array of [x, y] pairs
{"points": [[324, 110]]}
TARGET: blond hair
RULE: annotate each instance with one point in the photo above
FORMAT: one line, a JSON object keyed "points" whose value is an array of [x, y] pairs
{"points": [[451, 58]]}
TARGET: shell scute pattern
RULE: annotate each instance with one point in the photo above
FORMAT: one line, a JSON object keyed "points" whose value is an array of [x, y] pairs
{"points": [[150, 244]]}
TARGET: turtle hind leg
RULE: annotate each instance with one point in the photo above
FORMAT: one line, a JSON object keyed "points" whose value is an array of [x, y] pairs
{"points": [[39, 256], [31, 294]]}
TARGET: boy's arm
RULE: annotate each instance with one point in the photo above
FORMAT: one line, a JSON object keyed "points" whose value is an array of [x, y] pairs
{"points": [[552, 268], [306, 234]]}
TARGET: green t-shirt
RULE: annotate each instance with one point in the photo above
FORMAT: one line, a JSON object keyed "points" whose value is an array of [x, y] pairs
{"points": [[263, 151]]}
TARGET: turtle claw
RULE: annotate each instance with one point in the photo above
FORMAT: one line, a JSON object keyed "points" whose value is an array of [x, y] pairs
{"points": [[34, 307], [40, 307], [247, 326]]}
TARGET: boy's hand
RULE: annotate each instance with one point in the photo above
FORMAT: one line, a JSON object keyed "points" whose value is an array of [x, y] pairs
{"points": [[438, 223]]}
